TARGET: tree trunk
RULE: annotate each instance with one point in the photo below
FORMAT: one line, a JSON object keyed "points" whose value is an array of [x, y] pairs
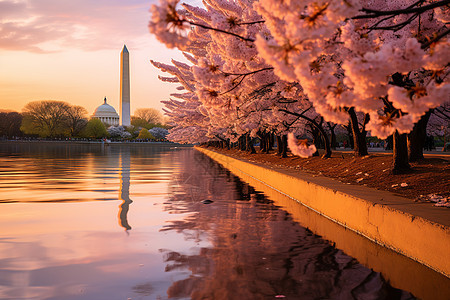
{"points": [[250, 146], [284, 146], [326, 140], [267, 143], [242, 143], [400, 158], [316, 136], [279, 145], [333, 135], [351, 143], [262, 142], [359, 136], [272, 141], [417, 138]]}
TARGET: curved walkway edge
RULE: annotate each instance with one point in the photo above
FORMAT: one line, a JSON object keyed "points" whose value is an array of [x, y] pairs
{"points": [[419, 231]]}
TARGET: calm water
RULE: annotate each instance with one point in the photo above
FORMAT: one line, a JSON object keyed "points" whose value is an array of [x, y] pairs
{"points": [[130, 222]]}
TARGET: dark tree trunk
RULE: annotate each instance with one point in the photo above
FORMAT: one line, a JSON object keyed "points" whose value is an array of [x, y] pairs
{"points": [[326, 144], [325, 140], [242, 143], [417, 138], [269, 142], [359, 136], [262, 142], [333, 135], [284, 145], [250, 146], [279, 145], [319, 127], [318, 141], [350, 141], [400, 157], [315, 135]]}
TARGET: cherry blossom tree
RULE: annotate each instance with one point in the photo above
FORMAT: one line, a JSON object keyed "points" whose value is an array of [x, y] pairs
{"points": [[188, 119], [237, 91], [118, 132], [159, 132], [386, 60]]}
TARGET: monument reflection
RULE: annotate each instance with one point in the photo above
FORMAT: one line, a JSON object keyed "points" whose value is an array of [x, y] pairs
{"points": [[124, 192]]}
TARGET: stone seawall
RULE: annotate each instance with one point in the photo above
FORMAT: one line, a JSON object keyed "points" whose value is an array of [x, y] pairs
{"points": [[419, 231]]}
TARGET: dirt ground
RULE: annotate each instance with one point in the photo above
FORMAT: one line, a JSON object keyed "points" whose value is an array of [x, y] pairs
{"points": [[428, 180]]}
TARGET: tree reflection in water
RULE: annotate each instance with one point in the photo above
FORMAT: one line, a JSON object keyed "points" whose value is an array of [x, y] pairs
{"points": [[257, 251]]}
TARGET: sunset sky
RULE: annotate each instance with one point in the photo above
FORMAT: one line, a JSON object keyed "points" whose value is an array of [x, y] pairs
{"points": [[70, 50]]}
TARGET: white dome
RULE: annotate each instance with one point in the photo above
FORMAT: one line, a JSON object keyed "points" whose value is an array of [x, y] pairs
{"points": [[107, 114], [105, 110]]}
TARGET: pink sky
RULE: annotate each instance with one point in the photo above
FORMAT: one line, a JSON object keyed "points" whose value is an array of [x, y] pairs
{"points": [[70, 50]]}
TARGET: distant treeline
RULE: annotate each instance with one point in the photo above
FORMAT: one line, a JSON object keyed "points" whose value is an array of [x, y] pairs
{"points": [[59, 119]]}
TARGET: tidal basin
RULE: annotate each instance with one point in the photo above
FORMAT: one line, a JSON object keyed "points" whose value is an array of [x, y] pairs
{"points": [[165, 222]]}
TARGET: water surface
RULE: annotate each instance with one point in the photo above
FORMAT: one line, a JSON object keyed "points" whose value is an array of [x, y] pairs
{"points": [[120, 222]]}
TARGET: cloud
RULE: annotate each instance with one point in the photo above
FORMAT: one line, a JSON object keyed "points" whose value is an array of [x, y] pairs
{"points": [[54, 25], [11, 9]]}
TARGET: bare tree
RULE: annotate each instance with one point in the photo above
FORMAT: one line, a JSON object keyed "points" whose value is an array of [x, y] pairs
{"points": [[46, 118], [10, 124], [76, 119], [150, 115], [53, 118]]}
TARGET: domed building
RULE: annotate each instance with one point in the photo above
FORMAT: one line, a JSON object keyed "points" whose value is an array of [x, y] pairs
{"points": [[107, 114]]}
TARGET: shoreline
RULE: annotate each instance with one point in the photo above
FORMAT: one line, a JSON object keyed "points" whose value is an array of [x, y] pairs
{"points": [[416, 230], [112, 143]]}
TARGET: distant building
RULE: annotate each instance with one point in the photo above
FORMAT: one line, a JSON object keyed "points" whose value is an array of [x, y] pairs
{"points": [[107, 114]]}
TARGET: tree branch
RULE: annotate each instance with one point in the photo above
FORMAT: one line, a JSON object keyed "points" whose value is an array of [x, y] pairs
{"points": [[250, 73], [251, 23], [434, 40], [220, 30], [421, 9], [243, 77], [395, 27]]}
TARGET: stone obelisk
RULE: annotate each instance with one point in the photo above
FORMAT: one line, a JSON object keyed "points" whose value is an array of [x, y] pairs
{"points": [[125, 87]]}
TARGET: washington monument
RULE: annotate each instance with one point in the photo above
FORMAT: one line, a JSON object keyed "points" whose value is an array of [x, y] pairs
{"points": [[125, 87]]}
